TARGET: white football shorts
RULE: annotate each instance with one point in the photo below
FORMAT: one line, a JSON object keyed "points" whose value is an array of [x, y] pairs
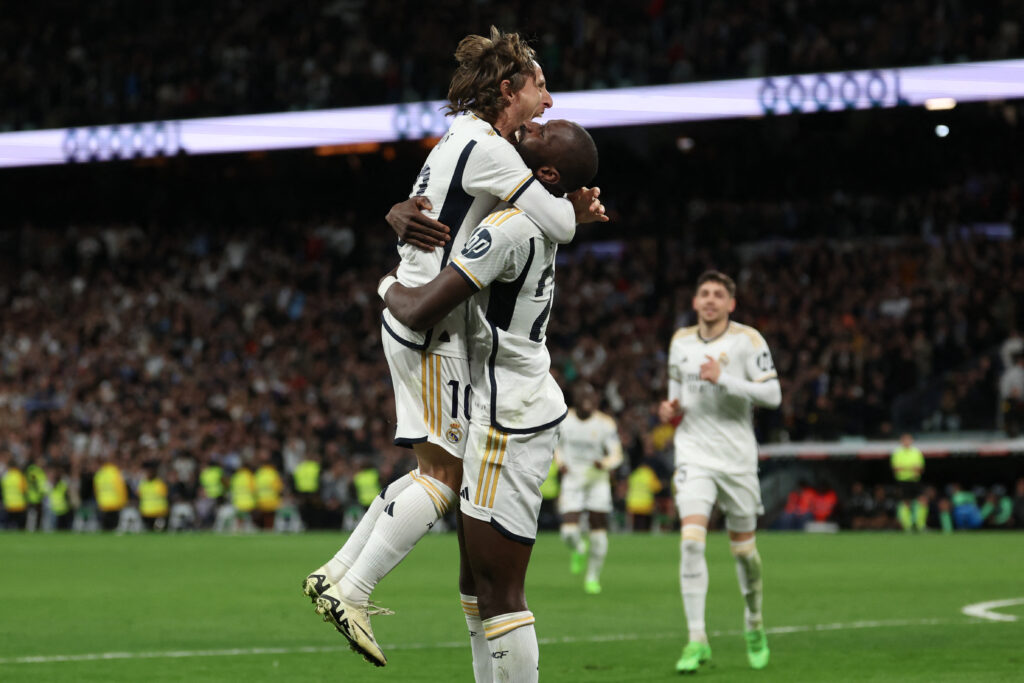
{"points": [[501, 478], [585, 491], [431, 397], [738, 495]]}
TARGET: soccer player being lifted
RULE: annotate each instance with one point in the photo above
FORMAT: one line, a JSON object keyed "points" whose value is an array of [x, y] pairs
{"points": [[508, 268], [588, 450], [717, 370], [497, 87]]}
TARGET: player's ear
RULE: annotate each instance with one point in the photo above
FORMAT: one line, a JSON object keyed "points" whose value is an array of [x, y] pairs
{"points": [[548, 175], [732, 306], [506, 89]]}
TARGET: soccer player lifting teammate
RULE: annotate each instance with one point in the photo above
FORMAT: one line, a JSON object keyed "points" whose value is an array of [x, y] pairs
{"points": [[588, 450], [497, 88], [717, 370], [508, 267]]}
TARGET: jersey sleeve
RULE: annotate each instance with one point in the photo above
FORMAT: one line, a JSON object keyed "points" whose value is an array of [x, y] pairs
{"points": [[491, 254], [498, 170], [759, 364], [675, 372]]}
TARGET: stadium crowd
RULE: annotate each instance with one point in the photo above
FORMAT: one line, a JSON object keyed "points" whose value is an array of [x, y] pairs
{"points": [[177, 349], [114, 61]]}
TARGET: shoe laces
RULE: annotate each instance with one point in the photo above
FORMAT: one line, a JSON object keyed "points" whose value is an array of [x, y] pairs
{"points": [[373, 609]]}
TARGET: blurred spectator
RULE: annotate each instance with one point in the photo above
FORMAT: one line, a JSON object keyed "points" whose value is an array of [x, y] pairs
{"points": [[1011, 395], [858, 510], [643, 485], [966, 513], [1018, 504], [269, 489], [336, 495], [306, 483], [59, 498], [907, 463], [243, 497], [798, 510], [154, 505], [366, 483], [997, 511], [111, 493], [14, 488], [824, 502]]}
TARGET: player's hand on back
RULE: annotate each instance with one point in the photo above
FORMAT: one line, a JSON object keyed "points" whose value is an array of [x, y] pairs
{"points": [[588, 207], [413, 227], [670, 410]]}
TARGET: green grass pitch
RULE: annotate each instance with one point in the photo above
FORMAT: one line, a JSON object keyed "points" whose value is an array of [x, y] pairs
{"points": [[847, 607]]}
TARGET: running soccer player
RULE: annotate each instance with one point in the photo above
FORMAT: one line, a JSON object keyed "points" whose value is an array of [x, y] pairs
{"points": [[588, 450], [498, 86], [508, 267], [717, 370]]}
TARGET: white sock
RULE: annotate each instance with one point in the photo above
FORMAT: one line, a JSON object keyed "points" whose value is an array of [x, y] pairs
{"points": [[598, 551], [404, 521], [512, 641], [346, 557], [748, 571], [572, 537], [477, 639], [693, 580]]}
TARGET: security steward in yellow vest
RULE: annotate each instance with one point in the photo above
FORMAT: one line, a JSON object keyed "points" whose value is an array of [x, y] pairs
{"points": [[269, 487], [306, 479], [367, 484], [13, 486], [58, 500], [153, 504], [243, 493], [111, 494], [38, 487], [211, 478]]}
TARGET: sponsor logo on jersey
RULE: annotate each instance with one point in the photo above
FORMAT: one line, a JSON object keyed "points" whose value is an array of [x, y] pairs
{"points": [[478, 245], [454, 433]]}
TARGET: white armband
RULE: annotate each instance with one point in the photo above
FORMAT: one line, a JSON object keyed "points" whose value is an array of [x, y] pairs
{"points": [[385, 285]]}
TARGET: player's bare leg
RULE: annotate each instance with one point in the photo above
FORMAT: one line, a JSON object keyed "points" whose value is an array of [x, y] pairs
{"points": [[693, 582], [748, 572], [498, 565], [573, 539], [598, 523]]}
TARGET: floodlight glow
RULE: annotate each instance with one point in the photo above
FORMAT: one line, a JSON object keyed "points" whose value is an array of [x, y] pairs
{"points": [[930, 86], [941, 130]]}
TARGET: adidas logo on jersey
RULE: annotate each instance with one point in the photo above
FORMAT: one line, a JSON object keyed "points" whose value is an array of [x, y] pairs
{"points": [[464, 492], [390, 509]]}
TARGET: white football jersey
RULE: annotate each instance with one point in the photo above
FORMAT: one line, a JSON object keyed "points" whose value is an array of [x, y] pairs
{"points": [[512, 263], [466, 174], [581, 443], [717, 430]]}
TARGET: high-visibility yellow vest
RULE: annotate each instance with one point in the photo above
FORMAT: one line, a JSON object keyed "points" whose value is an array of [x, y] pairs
{"points": [[907, 463], [243, 490], [367, 485], [14, 487], [59, 498], [153, 498], [111, 493], [307, 476], [212, 480], [37, 484], [268, 488], [643, 484]]}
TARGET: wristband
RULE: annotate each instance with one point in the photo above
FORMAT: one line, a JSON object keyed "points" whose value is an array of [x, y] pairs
{"points": [[385, 285]]}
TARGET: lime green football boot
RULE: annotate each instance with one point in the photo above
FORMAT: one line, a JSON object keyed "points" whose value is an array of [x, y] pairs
{"points": [[591, 586], [757, 648], [577, 563], [694, 654]]}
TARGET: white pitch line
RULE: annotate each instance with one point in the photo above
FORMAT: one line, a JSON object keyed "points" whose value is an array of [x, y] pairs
{"points": [[984, 610], [238, 652]]}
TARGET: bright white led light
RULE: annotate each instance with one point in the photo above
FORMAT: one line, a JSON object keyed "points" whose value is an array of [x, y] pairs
{"points": [[941, 130]]}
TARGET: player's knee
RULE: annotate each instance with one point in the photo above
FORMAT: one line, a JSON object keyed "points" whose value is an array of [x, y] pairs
{"points": [[694, 540], [743, 549]]}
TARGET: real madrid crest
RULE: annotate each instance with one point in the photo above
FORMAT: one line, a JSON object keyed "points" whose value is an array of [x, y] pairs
{"points": [[723, 359], [454, 433]]}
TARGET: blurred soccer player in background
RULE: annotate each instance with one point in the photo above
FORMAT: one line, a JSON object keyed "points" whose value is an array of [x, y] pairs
{"points": [[718, 369], [588, 450]]}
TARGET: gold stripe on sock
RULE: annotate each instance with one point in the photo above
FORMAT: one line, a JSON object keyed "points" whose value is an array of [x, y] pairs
{"points": [[501, 629], [435, 497]]}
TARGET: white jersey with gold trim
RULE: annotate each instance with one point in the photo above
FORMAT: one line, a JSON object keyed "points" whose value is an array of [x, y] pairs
{"points": [[581, 443], [513, 263], [466, 174], [717, 430]]}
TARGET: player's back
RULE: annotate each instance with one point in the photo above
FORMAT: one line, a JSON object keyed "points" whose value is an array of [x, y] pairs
{"points": [[461, 177]]}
